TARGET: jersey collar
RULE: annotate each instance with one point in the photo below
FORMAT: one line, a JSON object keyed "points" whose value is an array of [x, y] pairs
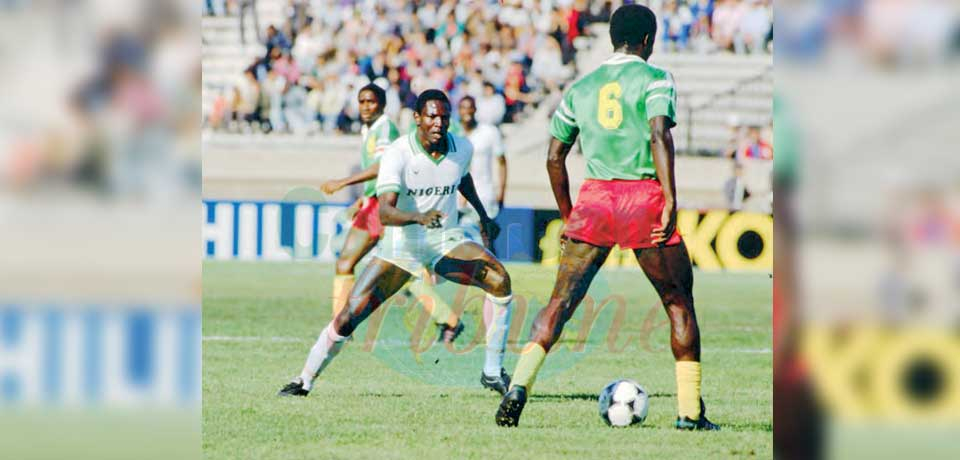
{"points": [[415, 145], [380, 119], [622, 58]]}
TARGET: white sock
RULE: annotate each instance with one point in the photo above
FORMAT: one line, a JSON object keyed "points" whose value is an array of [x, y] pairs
{"points": [[496, 317], [326, 348]]}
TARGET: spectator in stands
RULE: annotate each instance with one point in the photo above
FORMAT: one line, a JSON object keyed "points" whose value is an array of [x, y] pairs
{"points": [[220, 111], [332, 103], [737, 137], [307, 47], [375, 67], [276, 39], [284, 66], [451, 45], [548, 70], [246, 97], [215, 7], [755, 24], [756, 147], [297, 17], [296, 112], [248, 5], [394, 89], [700, 30], [515, 91], [491, 106], [702, 11], [727, 15], [274, 86], [677, 21], [735, 189]]}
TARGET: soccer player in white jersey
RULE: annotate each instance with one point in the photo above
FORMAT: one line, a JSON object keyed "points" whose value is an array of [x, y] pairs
{"points": [[487, 146], [420, 175]]}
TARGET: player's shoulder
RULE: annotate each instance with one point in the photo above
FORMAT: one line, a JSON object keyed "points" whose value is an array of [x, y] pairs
{"points": [[399, 146], [655, 72], [386, 126], [460, 145], [390, 126]]}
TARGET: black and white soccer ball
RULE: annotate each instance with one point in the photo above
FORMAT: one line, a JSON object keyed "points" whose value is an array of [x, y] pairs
{"points": [[623, 403]]}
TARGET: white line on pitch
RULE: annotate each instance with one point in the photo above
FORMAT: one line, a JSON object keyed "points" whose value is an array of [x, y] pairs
{"points": [[406, 343]]}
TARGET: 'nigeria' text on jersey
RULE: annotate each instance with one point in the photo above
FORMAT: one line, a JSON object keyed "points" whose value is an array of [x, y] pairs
{"points": [[611, 108], [423, 183]]}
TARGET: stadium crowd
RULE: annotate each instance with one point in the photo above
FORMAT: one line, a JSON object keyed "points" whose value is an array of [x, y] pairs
{"points": [[509, 56], [740, 26]]}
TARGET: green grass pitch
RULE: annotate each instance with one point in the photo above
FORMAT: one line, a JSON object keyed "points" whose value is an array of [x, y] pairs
{"points": [[260, 319]]}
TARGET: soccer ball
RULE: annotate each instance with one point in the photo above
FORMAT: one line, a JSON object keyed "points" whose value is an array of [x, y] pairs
{"points": [[623, 403]]}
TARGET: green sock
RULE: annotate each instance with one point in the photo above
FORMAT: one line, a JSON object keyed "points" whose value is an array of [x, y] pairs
{"points": [[530, 361]]}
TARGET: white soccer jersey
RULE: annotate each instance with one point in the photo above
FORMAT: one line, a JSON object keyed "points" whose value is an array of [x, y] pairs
{"points": [[487, 145], [423, 183]]}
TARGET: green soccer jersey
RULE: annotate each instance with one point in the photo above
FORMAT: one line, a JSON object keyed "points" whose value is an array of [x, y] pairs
{"points": [[786, 144], [456, 128], [375, 140], [611, 108]]}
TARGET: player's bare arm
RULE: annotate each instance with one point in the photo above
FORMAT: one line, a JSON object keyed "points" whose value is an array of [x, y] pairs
{"points": [[488, 227], [502, 188], [661, 148], [559, 179], [333, 186], [390, 215]]}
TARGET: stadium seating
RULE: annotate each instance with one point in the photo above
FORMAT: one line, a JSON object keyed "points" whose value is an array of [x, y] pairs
{"points": [[712, 90]]}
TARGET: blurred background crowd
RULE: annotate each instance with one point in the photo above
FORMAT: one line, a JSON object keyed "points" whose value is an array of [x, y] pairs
{"points": [[102, 100], [510, 55]]}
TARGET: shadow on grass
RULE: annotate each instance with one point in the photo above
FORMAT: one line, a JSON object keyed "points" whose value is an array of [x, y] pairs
{"points": [[383, 395], [756, 426], [587, 396]]}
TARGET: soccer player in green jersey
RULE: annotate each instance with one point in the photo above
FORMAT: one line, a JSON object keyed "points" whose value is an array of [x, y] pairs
{"points": [[377, 133], [622, 113]]}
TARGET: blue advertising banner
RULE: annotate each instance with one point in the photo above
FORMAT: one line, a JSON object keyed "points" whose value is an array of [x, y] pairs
{"points": [[264, 230]]}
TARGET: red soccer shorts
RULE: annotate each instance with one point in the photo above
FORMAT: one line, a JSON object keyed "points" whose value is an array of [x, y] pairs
{"points": [[618, 212], [368, 217]]}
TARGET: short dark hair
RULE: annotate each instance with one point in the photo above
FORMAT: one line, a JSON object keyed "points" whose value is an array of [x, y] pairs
{"points": [[377, 91], [469, 98], [630, 23], [430, 95]]}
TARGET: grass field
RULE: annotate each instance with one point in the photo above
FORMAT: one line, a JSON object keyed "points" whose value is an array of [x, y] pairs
{"points": [[260, 319]]}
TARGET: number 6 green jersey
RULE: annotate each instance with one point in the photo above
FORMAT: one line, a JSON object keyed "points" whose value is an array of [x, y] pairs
{"points": [[611, 108]]}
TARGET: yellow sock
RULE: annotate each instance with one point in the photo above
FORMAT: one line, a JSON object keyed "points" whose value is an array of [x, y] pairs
{"points": [[531, 358], [688, 389], [342, 286], [436, 305]]}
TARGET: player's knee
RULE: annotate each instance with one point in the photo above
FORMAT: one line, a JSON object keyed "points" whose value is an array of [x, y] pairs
{"points": [[677, 299], [499, 281], [344, 265], [341, 323], [352, 315]]}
